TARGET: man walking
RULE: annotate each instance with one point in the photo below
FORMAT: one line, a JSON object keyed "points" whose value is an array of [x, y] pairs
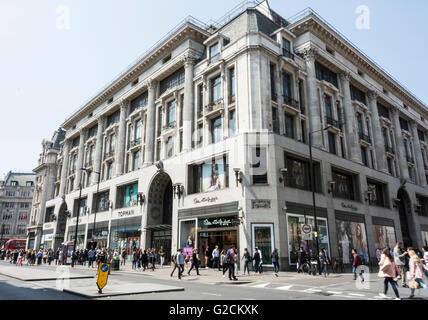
{"points": [[356, 263], [174, 261], [162, 256], [216, 258], [231, 264], [400, 261], [180, 262]]}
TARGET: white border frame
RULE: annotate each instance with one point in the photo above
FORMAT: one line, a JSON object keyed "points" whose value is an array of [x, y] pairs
{"points": [[179, 231], [270, 225], [288, 234]]}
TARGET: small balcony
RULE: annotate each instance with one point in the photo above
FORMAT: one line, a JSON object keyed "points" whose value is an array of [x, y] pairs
{"points": [[109, 154], [286, 53], [291, 102], [333, 122], [389, 150], [214, 106], [169, 126], [410, 159], [134, 143], [365, 137]]}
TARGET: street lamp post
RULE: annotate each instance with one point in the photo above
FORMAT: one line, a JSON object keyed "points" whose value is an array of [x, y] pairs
{"points": [[311, 164], [96, 209], [2, 232], [77, 219]]}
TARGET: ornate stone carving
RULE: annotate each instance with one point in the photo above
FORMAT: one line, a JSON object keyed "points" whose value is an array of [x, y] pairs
{"points": [[345, 76], [150, 84], [261, 204], [124, 103], [189, 60], [372, 95], [309, 54]]}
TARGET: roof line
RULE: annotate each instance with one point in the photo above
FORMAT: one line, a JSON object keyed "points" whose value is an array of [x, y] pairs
{"points": [[308, 11]]}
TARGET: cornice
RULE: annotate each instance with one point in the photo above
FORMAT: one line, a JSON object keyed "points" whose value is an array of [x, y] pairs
{"points": [[348, 51], [186, 31]]}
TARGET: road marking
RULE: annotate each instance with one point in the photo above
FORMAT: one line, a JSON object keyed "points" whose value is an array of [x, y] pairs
{"points": [[211, 294], [334, 292], [262, 285], [311, 290], [285, 288], [356, 294]]}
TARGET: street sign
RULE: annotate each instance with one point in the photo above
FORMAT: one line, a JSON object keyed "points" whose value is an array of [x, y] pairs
{"points": [[306, 232], [102, 276]]}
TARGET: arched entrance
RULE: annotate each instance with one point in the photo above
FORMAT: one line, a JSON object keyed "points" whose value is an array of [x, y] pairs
{"points": [[61, 225], [159, 214], [406, 219]]}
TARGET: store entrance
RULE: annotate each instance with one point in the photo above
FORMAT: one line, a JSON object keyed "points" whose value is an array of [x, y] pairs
{"points": [[162, 239], [224, 238]]}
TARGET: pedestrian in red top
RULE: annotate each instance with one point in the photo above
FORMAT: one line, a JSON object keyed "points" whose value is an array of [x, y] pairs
{"points": [[356, 263]]}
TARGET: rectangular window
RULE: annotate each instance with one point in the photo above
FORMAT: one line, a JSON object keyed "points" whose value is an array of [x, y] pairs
{"points": [[174, 80], [232, 123], [109, 170], [404, 124], [127, 196], [216, 129], [214, 51], [262, 235], [303, 124], [286, 86], [352, 235], [259, 165], [324, 73], [200, 100], [92, 132], [171, 112], [332, 143], [216, 90], [113, 118], [364, 156], [357, 94], [31, 183], [112, 143], [360, 123], [383, 111], [75, 142], [344, 185], [101, 203], [389, 162], [181, 110], [275, 120], [136, 163], [81, 207], [181, 141], [137, 135], [376, 193], [209, 176], [200, 134], [139, 102], [289, 126], [298, 174], [273, 82], [301, 97], [158, 150], [328, 107], [232, 84], [170, 147]]}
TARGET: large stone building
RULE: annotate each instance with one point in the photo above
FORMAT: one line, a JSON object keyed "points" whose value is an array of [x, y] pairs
{"points": [[205, 141], [16, 192]]}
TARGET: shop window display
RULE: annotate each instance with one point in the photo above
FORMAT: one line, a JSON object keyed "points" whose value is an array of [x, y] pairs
{"points": [[127, 196], [187, 235], [296, 240], [125, 238], [263, 239], [384, 237], [425, 238], [352, 235]]}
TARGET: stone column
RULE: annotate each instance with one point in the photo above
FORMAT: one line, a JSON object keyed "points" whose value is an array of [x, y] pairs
{"points": [[187, 107], [378, 142], [313, 102], [80, 157], [399, 149], [418, 154], [64, 171], [121, 140], [150, 125], [98, 158], [352, 137]]}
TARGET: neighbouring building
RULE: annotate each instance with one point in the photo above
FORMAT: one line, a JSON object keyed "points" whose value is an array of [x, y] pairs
{"points": [[16, 193], [204, 141]]}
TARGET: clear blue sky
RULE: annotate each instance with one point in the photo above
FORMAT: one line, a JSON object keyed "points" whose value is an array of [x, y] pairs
{"points": [[46, 73]]}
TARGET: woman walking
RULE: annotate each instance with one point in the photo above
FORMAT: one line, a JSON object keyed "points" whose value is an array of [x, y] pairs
{"points": [[388, 270], [144, 260], [325, 261], [275, 261], [223, 262], [247, 259], [195, 262], [416, 269]]}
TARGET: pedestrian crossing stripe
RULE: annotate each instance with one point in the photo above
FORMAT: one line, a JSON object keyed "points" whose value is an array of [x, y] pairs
{"points": [[262, 285], [285, 288]]}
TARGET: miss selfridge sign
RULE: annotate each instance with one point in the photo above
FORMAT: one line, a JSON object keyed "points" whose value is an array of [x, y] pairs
{"points": [[126, 213], [219, 222]]}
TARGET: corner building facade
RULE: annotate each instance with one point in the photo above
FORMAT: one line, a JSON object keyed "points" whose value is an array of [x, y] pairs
{"points": [[188, 147]]}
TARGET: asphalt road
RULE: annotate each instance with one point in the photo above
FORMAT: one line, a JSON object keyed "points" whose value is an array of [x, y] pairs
{"points": [[293, 287]]}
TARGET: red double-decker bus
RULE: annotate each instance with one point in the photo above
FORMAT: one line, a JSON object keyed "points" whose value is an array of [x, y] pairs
{"points": [[13, 244]]}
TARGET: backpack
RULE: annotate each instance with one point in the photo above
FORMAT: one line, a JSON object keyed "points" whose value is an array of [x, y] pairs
{"points": [[230, 258]]}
